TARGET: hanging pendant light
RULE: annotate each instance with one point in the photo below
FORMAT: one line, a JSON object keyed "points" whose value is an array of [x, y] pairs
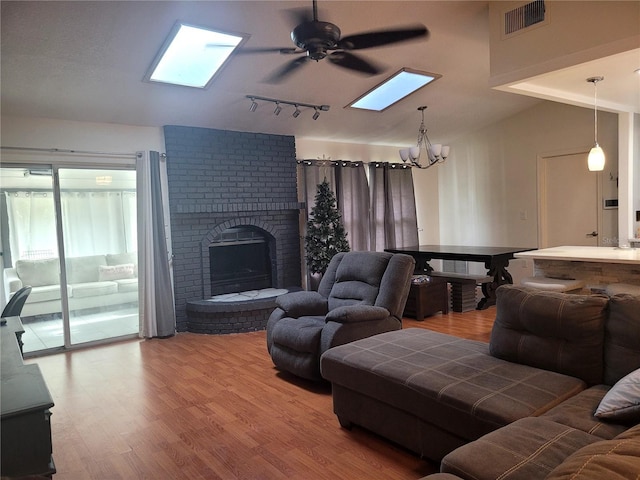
{"points": [[596, 159]]}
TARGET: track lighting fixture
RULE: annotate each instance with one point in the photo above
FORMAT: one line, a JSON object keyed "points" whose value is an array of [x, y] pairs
{"points": [[278, 106]]}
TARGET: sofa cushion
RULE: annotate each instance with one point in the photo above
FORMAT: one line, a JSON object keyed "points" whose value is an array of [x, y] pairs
{"points": [[527, 449], [115, 272], [578, 412], [622, 403], [38, 273], [92, 289], [622, 338], [556, 331], [450, 382], [84, 269], [127, 285], [44, 294], [617, 459]]}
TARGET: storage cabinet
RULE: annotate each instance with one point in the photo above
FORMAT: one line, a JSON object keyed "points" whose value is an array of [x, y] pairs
{"points": [[427, 296], [25, 411]]}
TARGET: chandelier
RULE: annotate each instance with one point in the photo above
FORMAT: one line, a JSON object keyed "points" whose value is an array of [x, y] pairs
{"points": [[435, 153]]}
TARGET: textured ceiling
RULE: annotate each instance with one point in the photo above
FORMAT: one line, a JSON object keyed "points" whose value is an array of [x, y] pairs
{"points": [[85, 61]]}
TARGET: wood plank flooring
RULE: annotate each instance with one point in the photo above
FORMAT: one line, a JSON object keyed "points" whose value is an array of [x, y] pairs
{"points": [[213, 407]]}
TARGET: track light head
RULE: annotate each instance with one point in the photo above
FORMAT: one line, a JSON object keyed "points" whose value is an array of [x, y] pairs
{"points": [[253, 106], [297, 112], [316, 114], [278, 109]]}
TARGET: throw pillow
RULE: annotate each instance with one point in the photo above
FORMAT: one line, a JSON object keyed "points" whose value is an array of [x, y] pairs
{"points": [[622, 402], [115, 272]]}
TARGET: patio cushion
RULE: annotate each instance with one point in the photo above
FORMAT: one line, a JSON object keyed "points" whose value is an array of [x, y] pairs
{"points": [[93, 289]]}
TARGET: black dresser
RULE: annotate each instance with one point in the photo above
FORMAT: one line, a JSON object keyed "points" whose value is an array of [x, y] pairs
{"points": [[25, 403]]}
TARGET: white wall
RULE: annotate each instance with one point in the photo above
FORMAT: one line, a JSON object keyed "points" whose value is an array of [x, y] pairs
{"points": [[570, 35], [491, 178], [68, 135]]}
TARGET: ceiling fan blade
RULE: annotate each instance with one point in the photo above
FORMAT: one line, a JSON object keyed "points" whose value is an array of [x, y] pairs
{"points": [[353, 62], [283, 50], [382, 37], [286, 70]]}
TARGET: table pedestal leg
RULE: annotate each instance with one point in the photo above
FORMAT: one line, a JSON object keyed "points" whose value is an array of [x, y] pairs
{"points": [[498, 271]]}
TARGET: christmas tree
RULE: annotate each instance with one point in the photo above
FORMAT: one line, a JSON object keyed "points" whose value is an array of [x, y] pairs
{"points": [[325, 233]]}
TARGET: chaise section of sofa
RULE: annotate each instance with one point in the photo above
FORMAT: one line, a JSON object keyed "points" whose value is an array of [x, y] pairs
{"points": [[572, 441], [433, 393], [92, 281]]}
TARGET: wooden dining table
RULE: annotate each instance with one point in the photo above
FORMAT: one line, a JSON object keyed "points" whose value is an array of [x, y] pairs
{"points": [[495, 259]]}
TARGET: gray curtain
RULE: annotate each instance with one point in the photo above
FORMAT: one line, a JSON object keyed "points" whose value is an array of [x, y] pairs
{"points": [[157, 306], [353, 201], [348, 181], [393, 221]]}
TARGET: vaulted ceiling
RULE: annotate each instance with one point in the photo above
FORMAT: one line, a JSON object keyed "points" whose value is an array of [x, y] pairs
{"points": [[85, 61]]}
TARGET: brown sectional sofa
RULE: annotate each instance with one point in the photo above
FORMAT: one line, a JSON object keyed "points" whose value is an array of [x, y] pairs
{"points": [[521, 407]]}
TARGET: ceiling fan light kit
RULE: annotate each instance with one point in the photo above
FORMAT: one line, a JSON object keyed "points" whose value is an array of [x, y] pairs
{"points": [[278, 106], [596, 159], [435, 153]]}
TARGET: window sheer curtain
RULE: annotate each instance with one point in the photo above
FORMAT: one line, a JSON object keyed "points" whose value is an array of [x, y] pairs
{"points": [[348, 181], [393, 221], [93, 222], [156, 299]]}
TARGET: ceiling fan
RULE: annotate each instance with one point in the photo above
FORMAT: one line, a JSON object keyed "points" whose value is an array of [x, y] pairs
{"points": [[319, 40]]}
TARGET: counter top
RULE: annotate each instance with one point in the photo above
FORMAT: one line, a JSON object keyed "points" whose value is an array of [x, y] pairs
{"points": [[585, 254]]}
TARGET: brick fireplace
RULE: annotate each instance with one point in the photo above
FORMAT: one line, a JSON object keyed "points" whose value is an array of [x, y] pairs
{"points": [[222, 183]]}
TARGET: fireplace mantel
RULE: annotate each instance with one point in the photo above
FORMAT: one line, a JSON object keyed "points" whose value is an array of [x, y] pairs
{"points": [[237, 207]]}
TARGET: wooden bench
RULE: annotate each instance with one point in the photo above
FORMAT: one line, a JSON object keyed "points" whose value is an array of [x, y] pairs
{"points": [[463, 288]]}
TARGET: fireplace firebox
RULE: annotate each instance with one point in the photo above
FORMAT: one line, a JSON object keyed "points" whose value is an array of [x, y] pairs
{"points": [[240, 260]]}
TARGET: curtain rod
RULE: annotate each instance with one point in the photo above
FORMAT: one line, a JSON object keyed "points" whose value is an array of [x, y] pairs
{"points": [[76, 152], [354, 163]]}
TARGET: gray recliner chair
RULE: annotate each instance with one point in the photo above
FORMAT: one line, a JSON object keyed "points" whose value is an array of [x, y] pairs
{"points": [[361, 294]]}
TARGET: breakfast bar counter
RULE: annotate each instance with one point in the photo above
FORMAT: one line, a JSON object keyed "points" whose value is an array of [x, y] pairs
{"points": [[598, 267]]}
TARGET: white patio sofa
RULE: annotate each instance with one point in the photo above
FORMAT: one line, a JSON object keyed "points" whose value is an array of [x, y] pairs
{"points": [[92, 281]]}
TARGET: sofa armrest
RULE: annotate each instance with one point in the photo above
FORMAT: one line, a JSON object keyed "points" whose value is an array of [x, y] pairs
{"points": [[12, 282], [297, 304], [357, 313]]}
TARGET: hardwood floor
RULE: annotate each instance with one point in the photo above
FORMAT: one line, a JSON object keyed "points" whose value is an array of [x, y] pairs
{"points": [[213, 407]]}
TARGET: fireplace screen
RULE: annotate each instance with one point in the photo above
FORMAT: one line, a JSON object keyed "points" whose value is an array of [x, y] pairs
{"points": [[239, 260]]}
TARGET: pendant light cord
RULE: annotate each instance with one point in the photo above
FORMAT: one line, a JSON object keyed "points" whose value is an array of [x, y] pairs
{"points": [[595, 111], [595, 81]]}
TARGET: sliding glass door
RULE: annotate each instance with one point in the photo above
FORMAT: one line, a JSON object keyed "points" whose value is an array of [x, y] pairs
{"points": [[98, 219], [30, 253], [71, 234]]}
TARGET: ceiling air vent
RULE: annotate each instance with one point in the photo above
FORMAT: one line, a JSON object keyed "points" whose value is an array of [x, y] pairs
{"points": [[523, 17]]}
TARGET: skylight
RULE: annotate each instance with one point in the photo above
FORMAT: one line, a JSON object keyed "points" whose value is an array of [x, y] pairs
{"points": [[394, 89], [192, 56]]}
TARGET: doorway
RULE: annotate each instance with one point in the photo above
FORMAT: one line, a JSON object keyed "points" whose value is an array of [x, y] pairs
{"points": [[71, 233], [569, 194]]}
